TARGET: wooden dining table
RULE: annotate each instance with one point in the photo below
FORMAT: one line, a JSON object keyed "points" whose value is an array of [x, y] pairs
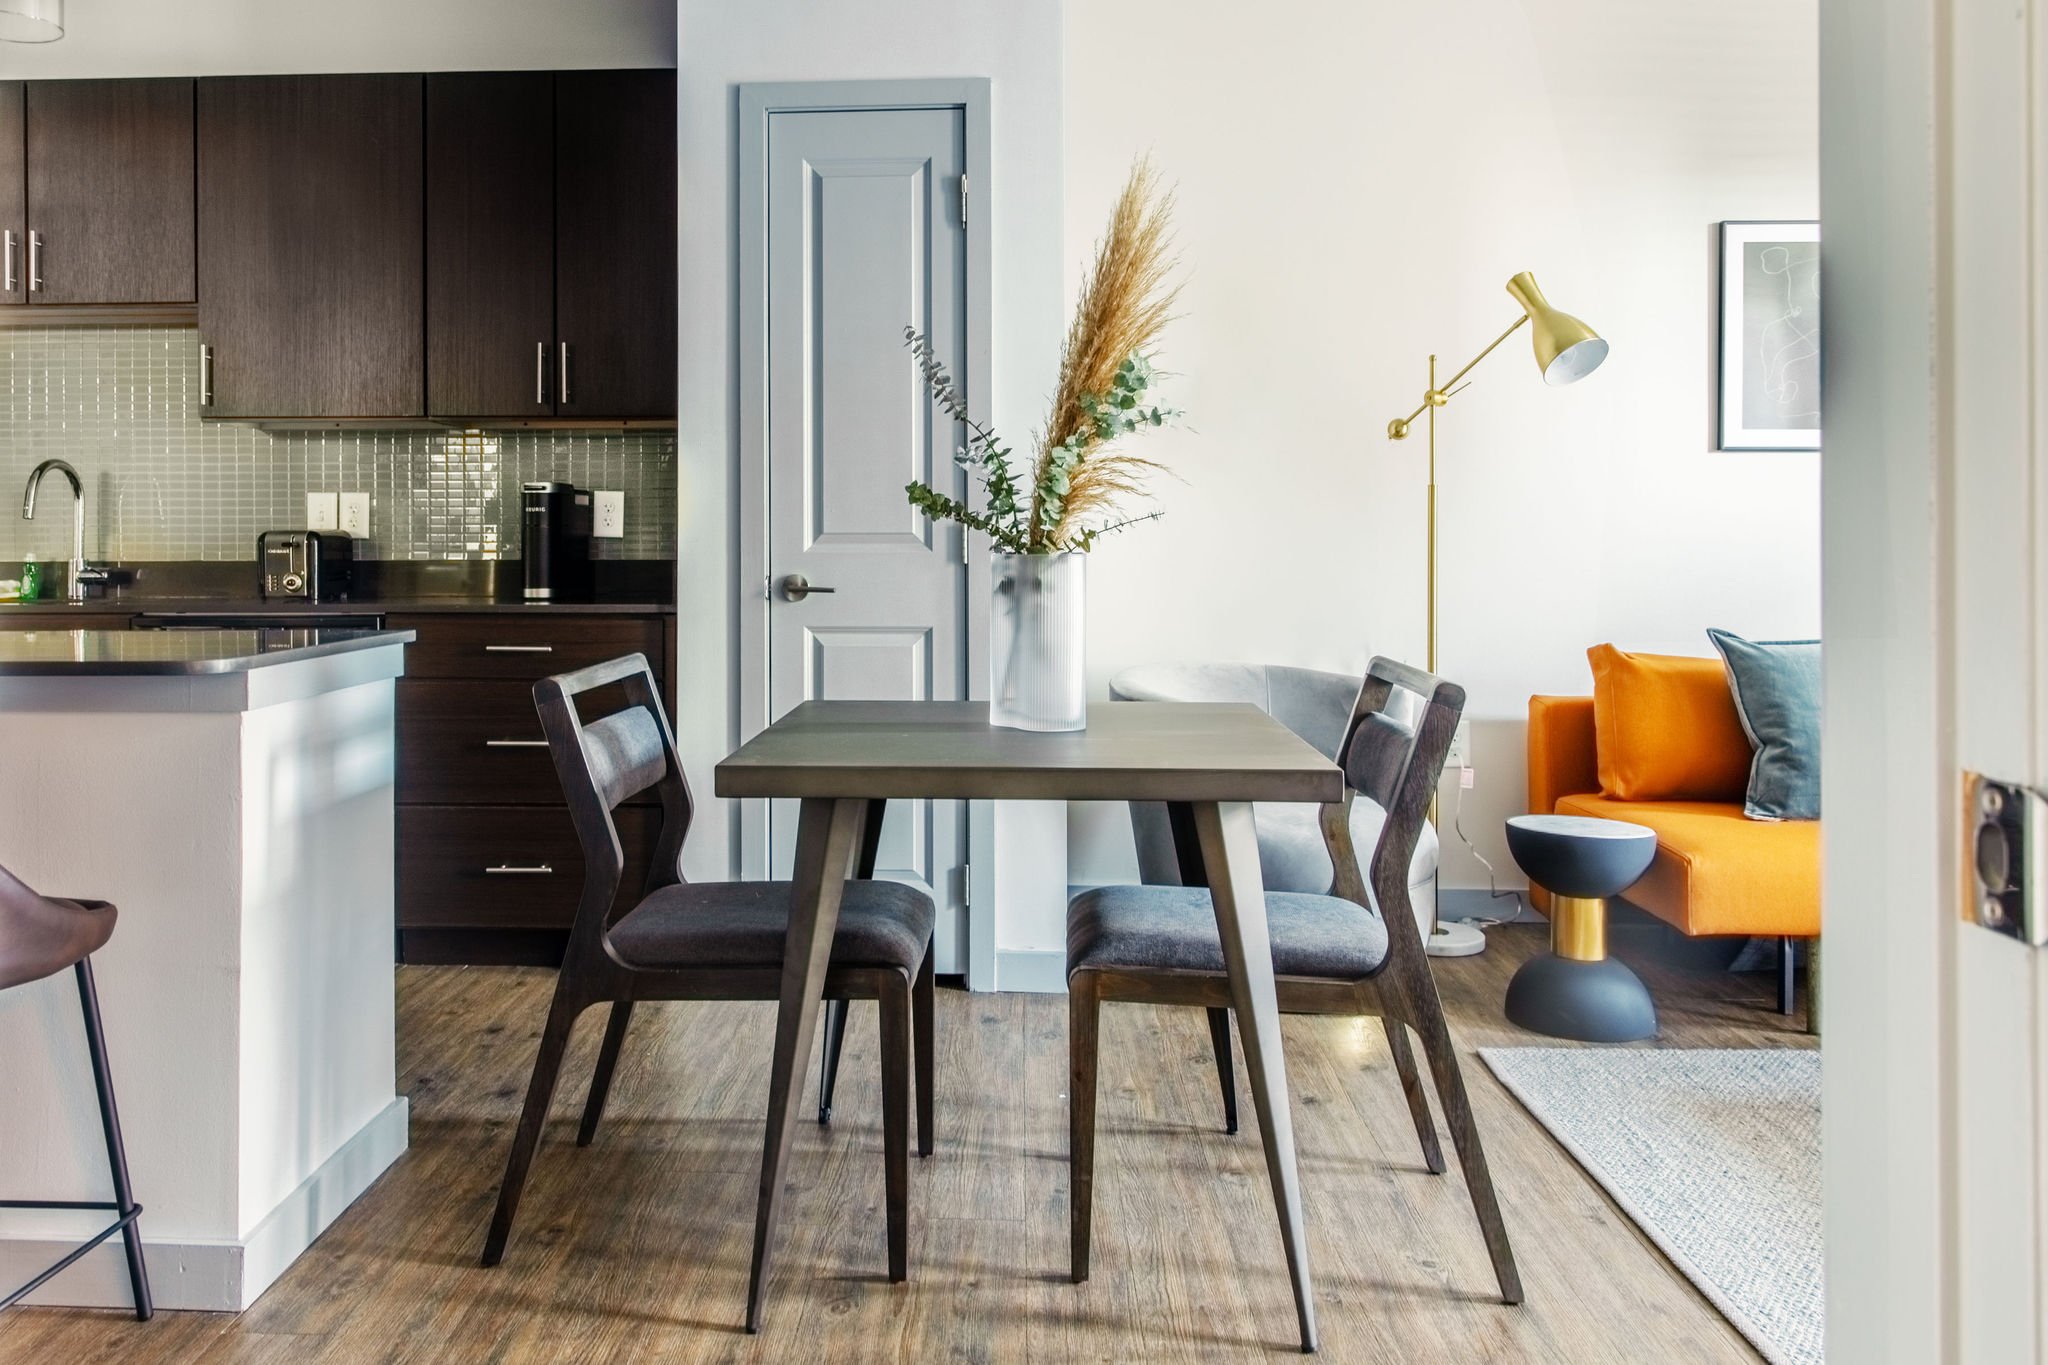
{"points": [[845, 760]]}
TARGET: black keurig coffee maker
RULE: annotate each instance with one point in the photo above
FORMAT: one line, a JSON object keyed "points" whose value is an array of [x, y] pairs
{"points": [[556, 546]]}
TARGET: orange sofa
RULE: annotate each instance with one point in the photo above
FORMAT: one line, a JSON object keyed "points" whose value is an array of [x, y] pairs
{"points": [[1716, 871]]}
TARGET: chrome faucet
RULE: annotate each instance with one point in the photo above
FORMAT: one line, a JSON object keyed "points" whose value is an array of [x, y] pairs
{"points": [[82, 575]]}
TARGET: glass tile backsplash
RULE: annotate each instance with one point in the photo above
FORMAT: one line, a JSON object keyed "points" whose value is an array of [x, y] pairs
{"points": [[121, 404]]}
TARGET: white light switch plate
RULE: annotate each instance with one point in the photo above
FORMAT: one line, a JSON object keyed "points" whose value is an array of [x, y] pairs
{"points": [[608, 514], [323, 512], [355, 514]]}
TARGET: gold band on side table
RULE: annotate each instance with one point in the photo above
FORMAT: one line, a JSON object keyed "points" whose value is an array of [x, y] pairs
{"points": [[1578, 928]]}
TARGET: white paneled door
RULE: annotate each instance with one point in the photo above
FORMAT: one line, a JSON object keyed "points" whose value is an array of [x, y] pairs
{"points": [[1935, 478], [864, 597]]}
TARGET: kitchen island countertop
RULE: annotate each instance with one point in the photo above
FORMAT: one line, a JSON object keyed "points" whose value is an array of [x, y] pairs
{"points": [[116, 653]]}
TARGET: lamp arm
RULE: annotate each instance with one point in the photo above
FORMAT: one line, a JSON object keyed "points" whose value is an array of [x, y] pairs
{"points": [[1443, 391]]}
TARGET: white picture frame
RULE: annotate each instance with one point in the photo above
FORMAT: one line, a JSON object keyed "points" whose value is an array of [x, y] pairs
{"points": [[1769, 394]]}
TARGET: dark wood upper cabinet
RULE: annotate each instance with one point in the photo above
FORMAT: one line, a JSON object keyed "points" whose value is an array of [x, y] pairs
{"points": [[491, 244], [109, 172], [312, 246], [13, 191], [615, 243]]}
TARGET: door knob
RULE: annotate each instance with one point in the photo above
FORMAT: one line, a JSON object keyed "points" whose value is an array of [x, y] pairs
{"points": [[796, 588]]}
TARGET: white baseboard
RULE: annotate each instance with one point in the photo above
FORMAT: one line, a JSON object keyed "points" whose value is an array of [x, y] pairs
{"points": [[1042, 971], [215, 1276]]}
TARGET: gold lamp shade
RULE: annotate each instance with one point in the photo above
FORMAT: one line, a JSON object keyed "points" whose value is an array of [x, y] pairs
{"points": [[1567, 350]]}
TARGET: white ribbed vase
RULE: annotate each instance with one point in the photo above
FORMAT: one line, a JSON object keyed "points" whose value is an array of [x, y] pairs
{"points": [[1038, 641]]}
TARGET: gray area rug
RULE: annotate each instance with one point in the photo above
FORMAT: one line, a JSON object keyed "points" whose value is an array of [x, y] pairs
{"points": [[1714, 1154]]}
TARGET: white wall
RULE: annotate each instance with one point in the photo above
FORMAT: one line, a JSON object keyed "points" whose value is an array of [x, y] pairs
{"points": [[1014, 42], [1357, 183], [241, 37]]}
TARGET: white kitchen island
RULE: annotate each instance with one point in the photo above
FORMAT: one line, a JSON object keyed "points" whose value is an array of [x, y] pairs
{"points": [[231, 792]]}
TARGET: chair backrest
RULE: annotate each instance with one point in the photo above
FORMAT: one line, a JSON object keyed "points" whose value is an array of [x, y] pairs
{"points": [[1393, 754], [605, 762]]}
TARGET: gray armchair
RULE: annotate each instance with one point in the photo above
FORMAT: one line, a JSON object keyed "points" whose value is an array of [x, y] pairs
{"points": [[1316, 706]]}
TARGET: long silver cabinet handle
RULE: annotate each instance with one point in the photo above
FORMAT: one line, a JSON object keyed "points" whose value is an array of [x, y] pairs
{"points": [[10, 277], [205, 376], [519, 649], [562, 387], [508, 870], [515, 744], [35, 261], [540, 373]]}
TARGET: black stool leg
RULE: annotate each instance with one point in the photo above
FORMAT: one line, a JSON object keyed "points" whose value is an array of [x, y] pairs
{"points": [[1785, 995], [117, 1152]]}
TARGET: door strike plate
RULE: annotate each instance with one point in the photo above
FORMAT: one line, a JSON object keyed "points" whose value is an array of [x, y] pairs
{"points": [[2007, 850]]}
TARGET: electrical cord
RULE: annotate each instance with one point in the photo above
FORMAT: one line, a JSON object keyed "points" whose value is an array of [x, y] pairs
{"points": [[1493, 890]]}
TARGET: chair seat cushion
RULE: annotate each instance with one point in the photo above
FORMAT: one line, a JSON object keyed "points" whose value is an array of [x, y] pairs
{"points": [[742, 924], [1173, 928]]}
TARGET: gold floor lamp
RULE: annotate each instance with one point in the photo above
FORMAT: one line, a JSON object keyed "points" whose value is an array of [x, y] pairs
{"points": [[1567, 350]]}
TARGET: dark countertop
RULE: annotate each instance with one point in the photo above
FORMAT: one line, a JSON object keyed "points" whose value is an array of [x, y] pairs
{"points": [[220, 606], [174, 653], [636, 587]]}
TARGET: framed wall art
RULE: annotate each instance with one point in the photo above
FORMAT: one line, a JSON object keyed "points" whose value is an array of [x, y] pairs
{"points": [[1770, 336]]}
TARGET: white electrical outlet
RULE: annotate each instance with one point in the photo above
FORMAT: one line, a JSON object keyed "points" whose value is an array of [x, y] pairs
{"points": [[355, 514], [608, 514], [323, 512], [1460, 755]]}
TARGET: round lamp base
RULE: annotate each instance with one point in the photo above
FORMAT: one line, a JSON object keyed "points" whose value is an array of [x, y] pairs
{"points": [[1593, 1002], [1455, 938]]}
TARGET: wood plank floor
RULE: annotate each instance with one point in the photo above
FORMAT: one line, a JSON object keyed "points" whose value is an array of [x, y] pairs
{"points": [[637, 1247]]}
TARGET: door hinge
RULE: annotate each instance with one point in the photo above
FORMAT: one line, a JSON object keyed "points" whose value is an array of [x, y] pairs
{"points": [[963, 199]]}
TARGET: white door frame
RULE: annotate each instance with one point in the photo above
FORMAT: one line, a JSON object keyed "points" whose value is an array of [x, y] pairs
{"points": [[1936, 228], [757, 102]]}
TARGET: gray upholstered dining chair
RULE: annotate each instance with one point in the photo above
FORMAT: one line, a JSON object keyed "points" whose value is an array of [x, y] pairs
{"points": [[689, 940], [1354, 951], [1315, 705]]}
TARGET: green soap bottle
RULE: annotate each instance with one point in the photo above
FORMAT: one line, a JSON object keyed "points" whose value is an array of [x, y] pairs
{"points": [[31, 579]]}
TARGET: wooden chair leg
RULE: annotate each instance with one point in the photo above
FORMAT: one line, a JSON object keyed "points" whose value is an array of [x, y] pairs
{"points": [[1219, 1039], [896, 1030], [1785, 975], [601, 1079], [1411, 1086], [828, 1065], [547, 1065], [1450, 1089], [117, 1150], [1084, 1008], [921, 1031]]}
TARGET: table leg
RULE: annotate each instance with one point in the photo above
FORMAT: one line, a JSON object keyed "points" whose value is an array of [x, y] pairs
{"points": [[1230, 854], [828, 834]]}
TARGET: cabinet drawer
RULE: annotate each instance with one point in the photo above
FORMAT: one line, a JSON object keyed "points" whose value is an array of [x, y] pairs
{"points": [[524, 648], [507, 868], [474, 743]]}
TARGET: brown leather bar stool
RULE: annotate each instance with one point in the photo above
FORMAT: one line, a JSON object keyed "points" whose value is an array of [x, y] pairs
{"points": [[41, 936]]}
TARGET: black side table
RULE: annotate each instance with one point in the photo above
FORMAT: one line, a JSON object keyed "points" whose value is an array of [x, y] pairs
{"points": [[1575, 990]]}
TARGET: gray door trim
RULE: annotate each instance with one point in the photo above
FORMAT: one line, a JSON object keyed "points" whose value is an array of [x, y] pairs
{"points": [[757, 101]]}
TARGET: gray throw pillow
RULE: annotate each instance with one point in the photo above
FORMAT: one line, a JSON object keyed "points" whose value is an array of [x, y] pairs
{"points": [[1777, 694]]}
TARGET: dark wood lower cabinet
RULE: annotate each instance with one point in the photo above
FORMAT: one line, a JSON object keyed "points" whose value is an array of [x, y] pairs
{"points": [[497, 884], [489, 870]]}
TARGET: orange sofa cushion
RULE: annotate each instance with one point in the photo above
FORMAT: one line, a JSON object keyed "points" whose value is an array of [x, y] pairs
{"points": [[1717, 871], [1667, 728]]}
